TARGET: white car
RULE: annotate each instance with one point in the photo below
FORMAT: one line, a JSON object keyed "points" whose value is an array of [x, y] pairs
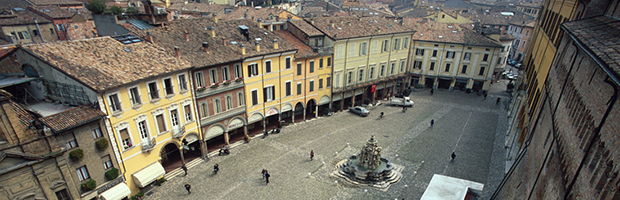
{"points": [[512, 76]]}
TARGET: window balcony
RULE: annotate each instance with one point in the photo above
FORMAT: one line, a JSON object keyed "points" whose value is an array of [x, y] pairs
{"points": [[178, 131], [148, 146]]}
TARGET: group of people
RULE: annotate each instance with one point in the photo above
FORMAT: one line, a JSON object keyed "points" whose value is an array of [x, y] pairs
{"points": [[266, 175]]}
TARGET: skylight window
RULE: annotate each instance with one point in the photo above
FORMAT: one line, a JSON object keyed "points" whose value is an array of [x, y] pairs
{"points": [[338, 28]]}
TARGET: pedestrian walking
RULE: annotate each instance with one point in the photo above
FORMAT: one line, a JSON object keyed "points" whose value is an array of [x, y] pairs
{"points": [[311, 154], [485, 95], [188, 187], [264, 173], [452, 156], [267, 177], [432, 91], [432, 122], [184, 169], [497, 102]]}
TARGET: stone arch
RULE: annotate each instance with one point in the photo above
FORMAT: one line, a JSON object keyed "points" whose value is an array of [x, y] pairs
{"points": [[213, 131], [169, 153], [310, 108]]}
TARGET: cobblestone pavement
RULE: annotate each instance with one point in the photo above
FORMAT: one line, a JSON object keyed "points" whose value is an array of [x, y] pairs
{"points": [[464, 123]]}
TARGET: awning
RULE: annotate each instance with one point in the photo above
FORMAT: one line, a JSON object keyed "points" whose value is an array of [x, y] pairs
{"points": [[191, 138], [254, 118], [213, 131], [324, 100], [148, 174], [286, 107], [117, 192], [461, 80]]}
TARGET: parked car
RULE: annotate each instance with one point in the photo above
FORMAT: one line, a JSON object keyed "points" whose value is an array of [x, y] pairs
{"points": [[512, 76], [359, 110], [518, 65], [395, 101], [511, 61]]}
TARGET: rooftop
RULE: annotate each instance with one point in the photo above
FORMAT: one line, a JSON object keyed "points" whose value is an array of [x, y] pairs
{"points": [[104, 63], [53, 11], [72, 118], [21, 17], [224, 47], [54, 2], [255, 14], [306, 28], [303, 50], [599, 35], [429, 30], [198, 7], [354, 27]]}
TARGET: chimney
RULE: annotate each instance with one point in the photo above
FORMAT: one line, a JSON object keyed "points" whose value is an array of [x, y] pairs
{"points": [[257, 45], [378, 30], [211, 31], [149, 37], [275, 44], [215, 18], [177, 52], [349, 23], [312, 21], [205, 46], [260, 22], [242, 48], [332, 24], [289, 18], [186, 36]]}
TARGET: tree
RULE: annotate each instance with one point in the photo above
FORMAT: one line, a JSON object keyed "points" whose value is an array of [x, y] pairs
{"points": [[132, 10], [96, 6], [116, 10]]}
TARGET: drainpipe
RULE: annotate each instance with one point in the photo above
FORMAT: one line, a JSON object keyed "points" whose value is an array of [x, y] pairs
{"points": [[39, 30]]}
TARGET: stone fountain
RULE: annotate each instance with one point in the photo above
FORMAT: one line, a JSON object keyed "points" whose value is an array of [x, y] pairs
{"points": [[368, 168]]}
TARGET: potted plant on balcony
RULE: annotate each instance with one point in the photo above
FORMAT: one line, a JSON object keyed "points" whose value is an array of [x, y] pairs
{"points": [[226, 82], [239, 79], [111, 174], [200, 89], [76, 155], [214, 85], [102, 144], [89, 185]]}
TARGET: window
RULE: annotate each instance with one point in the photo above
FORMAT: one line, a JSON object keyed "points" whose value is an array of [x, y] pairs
{"points": [[288, 88], [385, 46], [406, 43], [182, 82], [402, 66], [174, 117], [107, 162], [328, 82], [481, 72], [434, 53], [161, 123], [352, 50], [361, 75], [374, 46], [419, 52], [153, 91], [499, 60], [337, 80], [464, 69], [298, 69], [82, 173], [320, 84], [321, 63], [35, 33], [523, 45], [467, 56], [329, 61], [225, 74], [23, 35], [268, 66], [240, 99], [60, 27], [371, 73], [188, 113], [142, 129], [229, 103], [443, 16], [252, 69], [312, 66], [485, 57], [382, 71], [298, 88], [168, 86], [238, 72], [392, 66], [450, 54], [287, 62], [363, 48], [204, 109], [115, 103], [311, 86], [396, 43], [448, 67], [452, 46], [96, 133], [269, 93], [63, 195], [432, 67], [349, 77], [417, 64], [217, 106], [200, 82], [339, 52], [71, 144], [213, 76], [125, 138]]}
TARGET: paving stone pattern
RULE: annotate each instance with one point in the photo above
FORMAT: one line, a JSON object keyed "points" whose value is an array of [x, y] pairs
{"points": [[464, 123]]}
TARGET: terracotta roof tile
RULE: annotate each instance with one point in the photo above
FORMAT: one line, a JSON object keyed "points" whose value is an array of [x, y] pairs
{"points": [[55, 2], [306, 28], [72, 118], [221, 47], [600, 35], [52, 11], [22, 17], [354, 27], [104, 63], [252, 13], [199, 7], [25, 116], [428, 30], [303, 50]]}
